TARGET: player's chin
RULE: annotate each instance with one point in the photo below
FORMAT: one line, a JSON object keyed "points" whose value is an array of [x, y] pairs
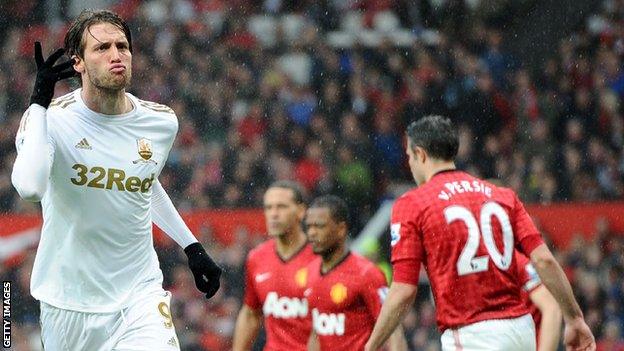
{"points": [[116, 85], [119, 81], [317, 249], [275, 233]]}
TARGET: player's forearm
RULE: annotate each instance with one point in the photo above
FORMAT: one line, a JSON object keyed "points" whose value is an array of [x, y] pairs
{"points": [[246, 329], [167, 218], [400, 298], [550, 330], [313, 342], [554, 279], [31, 169], [397, 341]]}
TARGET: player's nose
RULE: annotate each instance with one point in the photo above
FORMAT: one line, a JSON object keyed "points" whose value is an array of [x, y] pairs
{"points": [[115, 56]]}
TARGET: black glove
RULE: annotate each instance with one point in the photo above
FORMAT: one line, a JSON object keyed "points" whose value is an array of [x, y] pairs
{"points": [[48, 75], [205, 271]]}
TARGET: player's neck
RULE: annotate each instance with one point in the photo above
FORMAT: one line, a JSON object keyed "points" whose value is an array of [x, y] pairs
{"points": [[333, 258], [290, 243], [437, 167], [108, 102]]}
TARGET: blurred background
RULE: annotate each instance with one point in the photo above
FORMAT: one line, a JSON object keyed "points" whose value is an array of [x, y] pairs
{"points": [[321, 92]]}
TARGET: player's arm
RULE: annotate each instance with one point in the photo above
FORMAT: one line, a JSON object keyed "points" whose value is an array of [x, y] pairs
{"points": [[550, 329], [374, 299], [32, 166], [313, 342], [206, 272], [407, 254], [167, 218], [397, 341], [400, 298], [577, 336], [247, 326], [555, 280]]}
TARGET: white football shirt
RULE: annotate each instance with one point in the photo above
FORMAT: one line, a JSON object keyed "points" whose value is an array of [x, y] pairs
{"points": [[96, 247]]}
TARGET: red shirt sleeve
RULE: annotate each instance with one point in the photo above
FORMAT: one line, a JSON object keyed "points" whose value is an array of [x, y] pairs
{"points": [[251, 298], [527, 236], [407, 251], [375, 291]]}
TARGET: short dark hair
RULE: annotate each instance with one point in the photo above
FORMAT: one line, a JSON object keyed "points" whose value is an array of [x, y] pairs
{"points": [[293, 186], [337, 207], [74, 44], [436, 135]]}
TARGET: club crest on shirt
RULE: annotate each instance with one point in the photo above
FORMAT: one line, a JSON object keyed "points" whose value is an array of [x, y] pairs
{"points": [[338, 293], [144, 148], [395, 233], [301, 277]]}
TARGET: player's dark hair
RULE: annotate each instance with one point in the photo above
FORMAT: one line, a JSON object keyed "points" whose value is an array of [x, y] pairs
{"points": [[337, 207], [436, 135], [74, 43], [294, 187]]}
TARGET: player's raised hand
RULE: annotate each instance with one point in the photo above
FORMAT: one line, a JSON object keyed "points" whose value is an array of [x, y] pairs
{"points": [[48, 74], [206, 272], [578, 337]]}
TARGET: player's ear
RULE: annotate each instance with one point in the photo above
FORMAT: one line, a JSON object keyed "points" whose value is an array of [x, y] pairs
{"points": [[421, 154], [301, 211], [342, 229], [78, 64]]}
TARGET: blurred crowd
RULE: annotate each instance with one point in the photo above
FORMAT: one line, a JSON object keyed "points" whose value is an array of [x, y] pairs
{"points": [[333, 118]]}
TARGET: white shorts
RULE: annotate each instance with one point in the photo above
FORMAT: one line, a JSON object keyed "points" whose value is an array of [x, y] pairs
{"points": [[146, 324], [517, 334]]}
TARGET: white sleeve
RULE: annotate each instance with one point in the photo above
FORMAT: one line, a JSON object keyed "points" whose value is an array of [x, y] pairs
{"points": [[167, 218], [32, 167]]}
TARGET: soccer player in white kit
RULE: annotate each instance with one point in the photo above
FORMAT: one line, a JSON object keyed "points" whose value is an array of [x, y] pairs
{"points": [[92, 157]]}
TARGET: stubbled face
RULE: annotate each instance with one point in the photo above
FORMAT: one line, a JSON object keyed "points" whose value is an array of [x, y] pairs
{"points": [[107, 62], [282, 213], [323, 232]]}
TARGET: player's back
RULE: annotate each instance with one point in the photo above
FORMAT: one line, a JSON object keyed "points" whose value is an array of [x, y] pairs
{"points": [[276, 285], [464, 231]]}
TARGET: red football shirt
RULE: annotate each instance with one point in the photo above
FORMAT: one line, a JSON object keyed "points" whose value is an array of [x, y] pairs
{"points": [[276, 286], [529, 281], [464, 230], [345, 302]]}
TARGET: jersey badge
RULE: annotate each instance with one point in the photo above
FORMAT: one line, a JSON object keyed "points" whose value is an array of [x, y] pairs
{"points": [[144, 148], [395, 233], [301, 277], [338, 293]]}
